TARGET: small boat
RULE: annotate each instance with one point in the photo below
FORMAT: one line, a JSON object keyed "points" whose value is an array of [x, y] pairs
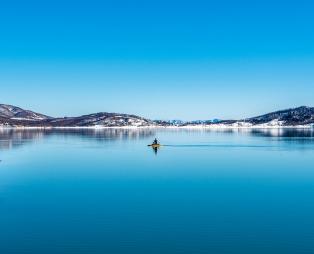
{"points": [[155, 145]]}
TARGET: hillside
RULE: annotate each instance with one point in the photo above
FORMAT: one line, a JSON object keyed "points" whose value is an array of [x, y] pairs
{"points": [[15, 117], [12, 116], [289, 117], [16, 113]]}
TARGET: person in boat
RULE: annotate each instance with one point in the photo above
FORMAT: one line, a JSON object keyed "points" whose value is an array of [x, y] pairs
{"points": [[155, 141]]}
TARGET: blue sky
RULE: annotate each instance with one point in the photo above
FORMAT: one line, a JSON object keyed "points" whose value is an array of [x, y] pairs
{"points": [[158, 59]]}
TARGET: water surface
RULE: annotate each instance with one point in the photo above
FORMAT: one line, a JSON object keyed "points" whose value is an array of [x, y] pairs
{"points": [[105, 191]]}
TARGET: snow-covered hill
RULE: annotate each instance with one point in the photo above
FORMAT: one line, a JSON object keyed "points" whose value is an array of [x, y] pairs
{"points": [[289, 117], [17, 117], [295, 117], [12, 112], [102, 119]]}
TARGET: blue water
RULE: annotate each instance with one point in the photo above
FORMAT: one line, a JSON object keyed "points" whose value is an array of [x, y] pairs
{"points": [[105, 191]]}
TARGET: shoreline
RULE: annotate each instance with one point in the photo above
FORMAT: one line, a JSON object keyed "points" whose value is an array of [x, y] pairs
{"points": [[201, 127]]}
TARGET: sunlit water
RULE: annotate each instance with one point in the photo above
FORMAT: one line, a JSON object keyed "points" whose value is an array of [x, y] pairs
{"points": [[105, 191]]}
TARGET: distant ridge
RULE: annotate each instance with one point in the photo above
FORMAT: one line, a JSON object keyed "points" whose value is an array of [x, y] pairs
{"points": [[294, 116], [13, 112], [12, 116]]}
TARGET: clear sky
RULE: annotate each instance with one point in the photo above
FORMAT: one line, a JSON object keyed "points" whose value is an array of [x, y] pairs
{"points": [[158, 59]]}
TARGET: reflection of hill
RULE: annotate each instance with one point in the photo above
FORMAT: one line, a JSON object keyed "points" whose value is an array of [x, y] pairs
{"points": [[284, 133], [263, 132], [12, 138], [268, 132]]}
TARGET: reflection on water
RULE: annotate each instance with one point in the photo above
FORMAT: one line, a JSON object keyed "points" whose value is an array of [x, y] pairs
{"points": [[13, 138], [284, 133], [155, 149]]}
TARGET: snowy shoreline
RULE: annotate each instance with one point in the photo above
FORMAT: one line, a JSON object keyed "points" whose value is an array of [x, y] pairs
{"points": [[200, 127]]}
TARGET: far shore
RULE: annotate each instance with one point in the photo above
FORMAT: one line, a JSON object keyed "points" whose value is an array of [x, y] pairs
{"points": [[196, 127]]}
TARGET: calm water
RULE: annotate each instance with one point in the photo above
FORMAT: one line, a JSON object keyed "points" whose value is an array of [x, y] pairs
{"points": [[105, 191]]}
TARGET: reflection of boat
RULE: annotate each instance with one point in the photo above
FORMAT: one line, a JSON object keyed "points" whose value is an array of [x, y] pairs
{"points": [[155, 147]]}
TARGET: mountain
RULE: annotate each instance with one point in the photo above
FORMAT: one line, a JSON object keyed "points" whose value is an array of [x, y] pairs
{"points": [[12, 116], [15, 117], [12, 112], [289, 117], [301, 116], [101, 119]]}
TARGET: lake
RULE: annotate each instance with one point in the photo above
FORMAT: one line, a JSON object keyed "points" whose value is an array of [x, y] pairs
{"points": [[205, 191]]}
